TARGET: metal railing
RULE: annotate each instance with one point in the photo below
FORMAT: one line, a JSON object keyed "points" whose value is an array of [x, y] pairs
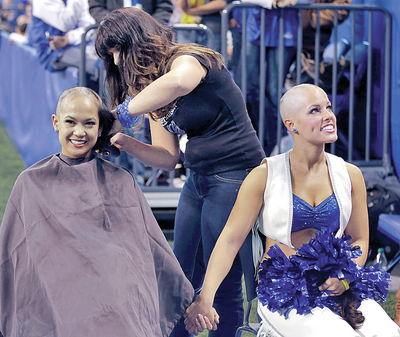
{"points": [[82, 67], [165, 194], [366, 159], [373, 76], [176, 27], [198, 28]]}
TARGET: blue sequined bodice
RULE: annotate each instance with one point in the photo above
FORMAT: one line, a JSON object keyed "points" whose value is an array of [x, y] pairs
{"points": [[324, 215]]}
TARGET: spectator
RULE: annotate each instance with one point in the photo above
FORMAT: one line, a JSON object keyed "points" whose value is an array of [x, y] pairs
{"points": [[326, 55], [10, 11], [272, 62], [21, 34], [210, 17], [4, 26], [161, 10], [56, 32], [179, 17], [326, 23]]}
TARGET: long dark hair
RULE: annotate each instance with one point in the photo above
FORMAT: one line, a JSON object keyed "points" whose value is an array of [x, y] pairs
{"points": [[347, 309], [146, 50]]}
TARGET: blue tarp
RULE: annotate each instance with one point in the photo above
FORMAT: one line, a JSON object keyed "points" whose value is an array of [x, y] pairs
{"points": [[27, 102]]}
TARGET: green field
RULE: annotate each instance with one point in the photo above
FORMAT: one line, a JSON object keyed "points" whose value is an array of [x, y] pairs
{"points": [[11, 166]]}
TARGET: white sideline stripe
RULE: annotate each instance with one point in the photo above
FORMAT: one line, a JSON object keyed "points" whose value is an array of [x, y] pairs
{"points": [[162, 199]]}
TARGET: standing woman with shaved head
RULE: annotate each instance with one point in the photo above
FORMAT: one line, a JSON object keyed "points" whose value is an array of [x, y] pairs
{"points": [[311, 207]]}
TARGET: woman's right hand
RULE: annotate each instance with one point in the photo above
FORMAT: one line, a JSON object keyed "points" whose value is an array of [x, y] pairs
{"points": [[119, 140], [334, 285], [200, 316]]}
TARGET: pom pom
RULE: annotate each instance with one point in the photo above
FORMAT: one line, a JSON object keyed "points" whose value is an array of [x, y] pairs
{"points": [[292, 283]]}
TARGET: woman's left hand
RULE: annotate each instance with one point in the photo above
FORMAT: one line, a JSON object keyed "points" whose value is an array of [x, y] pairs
{"points": [[334, 285]]}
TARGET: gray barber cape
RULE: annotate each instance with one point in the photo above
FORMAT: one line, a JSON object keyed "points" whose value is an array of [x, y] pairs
{"points": [[82, 255]]}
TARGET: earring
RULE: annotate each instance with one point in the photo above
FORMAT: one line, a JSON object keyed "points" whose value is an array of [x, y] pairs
{"points": [[55, 130], [99, 135], [295, 130]]}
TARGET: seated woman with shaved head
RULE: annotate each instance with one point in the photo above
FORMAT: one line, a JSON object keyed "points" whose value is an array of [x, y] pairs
{"points": [[311, 206], [81, 252]]}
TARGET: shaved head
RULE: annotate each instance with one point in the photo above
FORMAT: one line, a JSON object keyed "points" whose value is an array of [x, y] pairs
{"points": [[294, 98], [72, 93]]}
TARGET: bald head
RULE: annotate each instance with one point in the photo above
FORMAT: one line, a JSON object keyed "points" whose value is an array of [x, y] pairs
{"points": [[72, 93], [294, 98]]}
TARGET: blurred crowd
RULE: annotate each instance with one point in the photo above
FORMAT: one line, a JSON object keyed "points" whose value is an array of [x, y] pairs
{"points": [[15, 17], [55, 27]]}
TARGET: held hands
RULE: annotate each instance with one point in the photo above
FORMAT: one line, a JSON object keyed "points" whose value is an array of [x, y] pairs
{"points": [[334, 285], [200, 316]]}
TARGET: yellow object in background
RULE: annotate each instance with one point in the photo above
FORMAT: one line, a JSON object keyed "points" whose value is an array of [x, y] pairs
{"points": [[190, 18]]}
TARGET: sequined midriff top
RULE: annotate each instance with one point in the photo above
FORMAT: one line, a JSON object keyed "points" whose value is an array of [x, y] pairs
{"points": [[324, 215]]}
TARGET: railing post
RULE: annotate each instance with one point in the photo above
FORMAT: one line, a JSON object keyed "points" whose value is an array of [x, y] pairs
{"points": [[352, 73], [199, 28], [82, 67]]}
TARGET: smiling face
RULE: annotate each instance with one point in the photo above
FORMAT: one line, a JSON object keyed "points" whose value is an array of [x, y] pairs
{"points": [[78, 125], [308, 110]]}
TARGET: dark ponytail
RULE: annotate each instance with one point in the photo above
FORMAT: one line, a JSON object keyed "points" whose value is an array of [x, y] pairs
{"points": [[347, 309]]}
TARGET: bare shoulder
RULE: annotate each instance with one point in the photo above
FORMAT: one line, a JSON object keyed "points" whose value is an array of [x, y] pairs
{"points": [[186, 60], [257, 178], [356, 176], [189, 69]]}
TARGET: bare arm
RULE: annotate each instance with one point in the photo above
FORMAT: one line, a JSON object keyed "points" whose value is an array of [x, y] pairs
{"points": [[357, 227], [186, 73], [241, 219], [211, 7], [327, 15], [183, 5], [163, 152]]}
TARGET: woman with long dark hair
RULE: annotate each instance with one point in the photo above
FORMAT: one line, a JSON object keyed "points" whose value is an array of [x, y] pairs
{"points": [[184, 89]]}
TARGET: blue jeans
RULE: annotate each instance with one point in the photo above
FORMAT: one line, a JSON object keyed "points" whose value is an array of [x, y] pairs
{"points": [[204, 207]]}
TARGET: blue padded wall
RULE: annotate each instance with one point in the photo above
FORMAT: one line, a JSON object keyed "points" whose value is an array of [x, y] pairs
{"points": [[28, 98]]}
